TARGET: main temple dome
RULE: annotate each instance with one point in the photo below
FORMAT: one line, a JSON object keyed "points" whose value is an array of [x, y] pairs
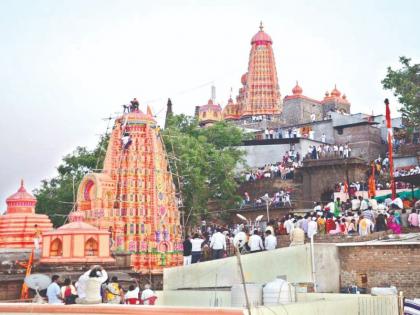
{"points": [[261, 37]]}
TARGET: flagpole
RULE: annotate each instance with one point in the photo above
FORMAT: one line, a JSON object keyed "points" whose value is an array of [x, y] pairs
{"points": [[390, 153]]}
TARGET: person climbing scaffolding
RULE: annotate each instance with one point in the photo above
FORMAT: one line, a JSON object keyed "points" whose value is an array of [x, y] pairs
{"points": [[126, 140]]}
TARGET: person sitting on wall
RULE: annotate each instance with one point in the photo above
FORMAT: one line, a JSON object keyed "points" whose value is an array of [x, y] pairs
{"points": [[68, 292], [54, 292], [132, 295], [113, 291], [148, 297]]}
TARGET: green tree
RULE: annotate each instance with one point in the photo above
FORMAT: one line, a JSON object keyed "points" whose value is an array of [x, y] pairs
{"points": [[405, 84], [55, 196], [205, 160]]}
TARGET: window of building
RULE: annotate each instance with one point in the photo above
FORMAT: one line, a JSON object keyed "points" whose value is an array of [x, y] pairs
{"points": [[91, 247], [56, 248]]}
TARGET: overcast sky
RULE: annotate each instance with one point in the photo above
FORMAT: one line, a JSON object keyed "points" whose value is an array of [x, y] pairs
{"points": [[65, 65]]}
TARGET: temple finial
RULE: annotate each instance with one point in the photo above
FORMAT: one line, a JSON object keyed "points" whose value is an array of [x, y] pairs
{"points": [[21, 182], [149, 110], [261, 26]]}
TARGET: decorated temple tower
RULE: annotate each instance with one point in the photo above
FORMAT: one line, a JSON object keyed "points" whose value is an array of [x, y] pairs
{"points": [[134, 196], [261, 88]]}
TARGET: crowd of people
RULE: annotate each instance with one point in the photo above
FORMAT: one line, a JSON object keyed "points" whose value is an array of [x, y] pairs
{"points": [[292, 132], [95, 287], [284, 169], [328, 151], [407, 172], [280, 198], [206, 246], [268, 171], [356, 216]]}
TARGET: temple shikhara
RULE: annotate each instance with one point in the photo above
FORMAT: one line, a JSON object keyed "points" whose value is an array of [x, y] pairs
{"points": [[20, 222], [134, 196], [259, 95]]}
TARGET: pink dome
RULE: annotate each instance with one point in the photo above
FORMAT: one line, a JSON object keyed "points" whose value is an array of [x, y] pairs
{"points": [[244, 78], [21, 195], [335, 92], [297, 90], [261, 37]]}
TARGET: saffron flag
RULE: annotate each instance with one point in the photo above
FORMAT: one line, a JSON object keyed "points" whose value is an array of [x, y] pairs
{"points": [[372, 183]]}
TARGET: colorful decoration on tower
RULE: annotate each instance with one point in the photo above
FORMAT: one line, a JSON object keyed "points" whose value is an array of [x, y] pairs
{"points": [[134, 196], [260, 92]]}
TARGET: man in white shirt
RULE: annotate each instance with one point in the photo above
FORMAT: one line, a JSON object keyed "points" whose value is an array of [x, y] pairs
{"points": [[289, 225], [218, 244], [398, 202], [148, 296], [318, 208], [89, 286], [363, 204], [196, 244], [240, 239], [312, 227], [54, 292], [335, 149], [132, 293], [270, 241], [255, 242], [355, 204], [331, 206], [323, 138]]}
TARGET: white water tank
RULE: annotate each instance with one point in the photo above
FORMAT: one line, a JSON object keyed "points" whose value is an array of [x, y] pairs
{"points": [[278, 291], [254, 292]]}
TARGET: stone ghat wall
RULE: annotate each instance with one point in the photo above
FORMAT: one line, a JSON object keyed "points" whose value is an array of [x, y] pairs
{"points": [[381, 266]]}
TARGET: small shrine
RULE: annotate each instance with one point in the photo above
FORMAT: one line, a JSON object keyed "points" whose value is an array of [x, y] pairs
{"points": [[20, 222], [76, 242]]}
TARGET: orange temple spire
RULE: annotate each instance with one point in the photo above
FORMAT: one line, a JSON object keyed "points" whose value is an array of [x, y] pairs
{"points": [[260, 93]]}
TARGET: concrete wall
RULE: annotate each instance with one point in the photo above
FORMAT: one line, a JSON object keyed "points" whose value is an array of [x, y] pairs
{"points": [[327, 268], [263, 267], [307, 303], [201, 298], [334, 304]]}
